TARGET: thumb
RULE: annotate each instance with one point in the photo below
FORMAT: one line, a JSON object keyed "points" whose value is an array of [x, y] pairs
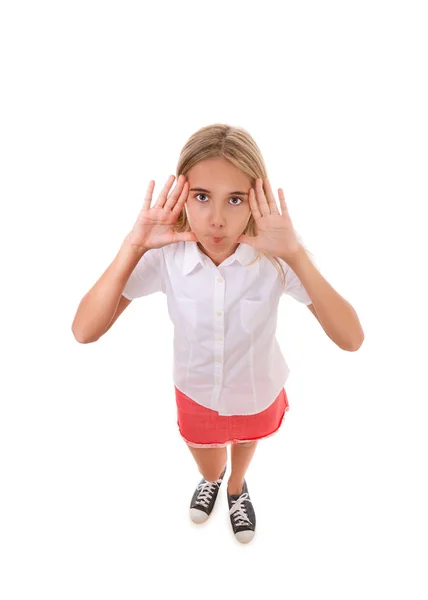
{"points": [[186, 236], [245, 239]]}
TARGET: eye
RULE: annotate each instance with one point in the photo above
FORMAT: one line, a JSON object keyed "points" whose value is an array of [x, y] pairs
{"points": [[232, 198]]}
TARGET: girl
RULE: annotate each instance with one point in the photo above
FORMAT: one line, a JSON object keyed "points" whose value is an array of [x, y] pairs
{"points": [[223, 253]]}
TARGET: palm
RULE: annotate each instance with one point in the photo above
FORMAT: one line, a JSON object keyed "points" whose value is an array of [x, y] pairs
{"points": [[275, 232], [154, 228], [272, 231]]}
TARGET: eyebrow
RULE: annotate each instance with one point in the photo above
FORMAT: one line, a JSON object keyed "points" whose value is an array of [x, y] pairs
{"points": [[208, 192]]}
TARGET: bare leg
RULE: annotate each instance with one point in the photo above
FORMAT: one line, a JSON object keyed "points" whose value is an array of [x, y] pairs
{"points": [[241, 455], [210, 461]]}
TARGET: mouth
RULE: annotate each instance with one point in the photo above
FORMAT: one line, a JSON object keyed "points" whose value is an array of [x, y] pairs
{"points": [[216, 240]]}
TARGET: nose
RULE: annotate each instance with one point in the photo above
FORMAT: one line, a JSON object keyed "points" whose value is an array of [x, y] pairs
{"points": [[217, 218]]}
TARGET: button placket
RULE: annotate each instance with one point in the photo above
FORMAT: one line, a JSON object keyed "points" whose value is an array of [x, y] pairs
{"points": [[218, 332]]}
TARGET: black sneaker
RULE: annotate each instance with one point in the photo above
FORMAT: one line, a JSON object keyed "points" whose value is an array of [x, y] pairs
{"points": [[242, 515], [204, 498]]}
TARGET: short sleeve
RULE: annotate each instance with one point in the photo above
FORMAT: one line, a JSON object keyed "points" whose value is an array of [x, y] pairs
{"points": [[146, 278], [293, 285]]}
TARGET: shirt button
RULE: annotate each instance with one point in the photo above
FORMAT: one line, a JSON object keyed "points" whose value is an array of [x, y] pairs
{"points": [[219, 339], [219, 314], [219, 279]]}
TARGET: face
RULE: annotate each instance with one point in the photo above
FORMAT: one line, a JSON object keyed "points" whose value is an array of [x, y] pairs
{"points": [[217, 206]]}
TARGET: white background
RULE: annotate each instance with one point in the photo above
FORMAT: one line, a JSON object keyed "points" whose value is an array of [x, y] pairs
{"points": [[97, 98]]}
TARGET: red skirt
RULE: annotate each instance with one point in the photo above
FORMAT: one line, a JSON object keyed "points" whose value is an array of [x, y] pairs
{"points": [[202, 427]]}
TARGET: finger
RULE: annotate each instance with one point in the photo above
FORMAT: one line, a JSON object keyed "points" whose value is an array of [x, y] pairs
{"points": [[148, 196], [253, 204], [164, 192], [271, 198], [264, 206], [284, 208], [182, 199], [172, 198]]}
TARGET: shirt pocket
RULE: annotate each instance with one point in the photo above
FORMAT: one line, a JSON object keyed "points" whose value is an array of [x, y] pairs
{"points": [[187, 313], [254, 313]]}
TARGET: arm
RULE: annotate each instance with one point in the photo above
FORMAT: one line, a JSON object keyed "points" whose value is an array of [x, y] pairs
{"points": [[335, 314], [100, 305], [314, 312], [123, 303]]}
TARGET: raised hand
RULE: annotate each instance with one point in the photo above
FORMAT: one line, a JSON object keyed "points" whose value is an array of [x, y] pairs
{"points": [[276, 234], [154, 225]]}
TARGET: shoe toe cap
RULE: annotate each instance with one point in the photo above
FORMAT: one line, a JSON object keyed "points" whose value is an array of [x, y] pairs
{"points": [[244, 536], [198, 516]]}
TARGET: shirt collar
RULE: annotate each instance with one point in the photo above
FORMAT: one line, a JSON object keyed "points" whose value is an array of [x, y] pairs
{"points": [[244, 254]]}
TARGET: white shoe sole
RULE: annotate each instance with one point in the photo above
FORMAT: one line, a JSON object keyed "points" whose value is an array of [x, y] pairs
{"points": [[198, 516]]}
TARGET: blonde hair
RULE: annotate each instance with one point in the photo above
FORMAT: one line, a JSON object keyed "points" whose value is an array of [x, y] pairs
{"points": [[236, 145]]}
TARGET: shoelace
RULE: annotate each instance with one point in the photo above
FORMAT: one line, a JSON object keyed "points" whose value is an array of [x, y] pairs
{"points": [[239, 510], [207, 489]]}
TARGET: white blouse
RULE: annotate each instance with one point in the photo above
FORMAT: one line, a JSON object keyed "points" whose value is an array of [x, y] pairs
{"points": [[226, 355]]}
